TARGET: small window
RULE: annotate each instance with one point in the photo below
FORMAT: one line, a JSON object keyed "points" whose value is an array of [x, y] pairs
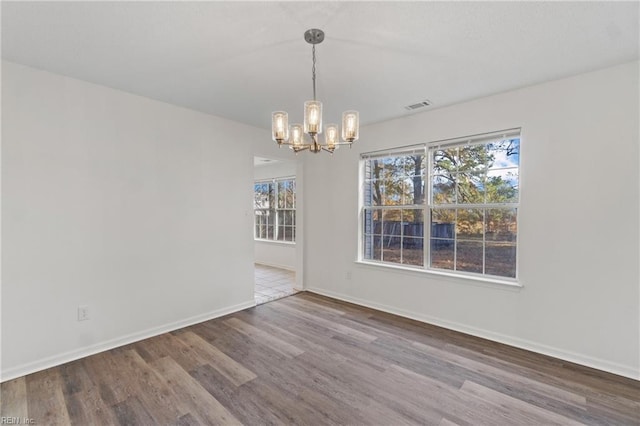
{"points": [[275, 210], [467, 191]]}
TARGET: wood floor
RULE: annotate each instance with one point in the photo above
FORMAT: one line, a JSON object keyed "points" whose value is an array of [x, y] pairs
{"points": [[310, 360]]}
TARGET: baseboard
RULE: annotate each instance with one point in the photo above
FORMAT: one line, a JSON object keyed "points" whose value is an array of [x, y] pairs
{"points": [[53, 361], [599, 364], [275, 265]]}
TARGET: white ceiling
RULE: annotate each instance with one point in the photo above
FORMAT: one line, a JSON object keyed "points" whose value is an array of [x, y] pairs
{"points": [[243, 60]]}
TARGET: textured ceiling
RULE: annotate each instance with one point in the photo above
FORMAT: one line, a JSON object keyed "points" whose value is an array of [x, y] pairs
{"points": [[242, 60]]}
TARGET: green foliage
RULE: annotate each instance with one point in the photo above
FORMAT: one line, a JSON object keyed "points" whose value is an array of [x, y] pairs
{"points": [[396, 181], [468, 174]]}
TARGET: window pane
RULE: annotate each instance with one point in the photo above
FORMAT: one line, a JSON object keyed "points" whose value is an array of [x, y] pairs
{"points": [[470, 224], [415, 165], [285, 217], [412, 251], [504, 153], [373, 169], [256, 196], [413, 190], [442, 253], [469, 256], [280, 194], [501, 225], [261, 196], [272, 195], [442, 231], [413, 222], [270, 233], [291, 195], [287, 233], [391, 218], [264, 195], [442, 238], [373, 192], [472, 159], [377, 222], [372, 223], [391, 250], [392, 167], [500, 259], [391, 238], [286, 194], [502, 186], [372, 250], [443, 189], [400, 181], [393, 191], [445, 161], [443, 223], [471, 188]]}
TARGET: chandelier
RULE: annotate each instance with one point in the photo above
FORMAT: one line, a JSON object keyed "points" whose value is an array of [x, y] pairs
{"points": [[294, 135]]}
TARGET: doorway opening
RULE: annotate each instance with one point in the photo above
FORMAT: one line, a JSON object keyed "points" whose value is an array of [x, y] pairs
{"points": [[276, 237]]}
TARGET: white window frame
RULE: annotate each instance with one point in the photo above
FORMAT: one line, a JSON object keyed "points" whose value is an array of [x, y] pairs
{"points": [[428, 149], [278, 211]]}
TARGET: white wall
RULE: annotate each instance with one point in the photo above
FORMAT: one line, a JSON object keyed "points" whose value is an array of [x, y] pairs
{"points": [[281, 255], [578, 230], [138, 209]]}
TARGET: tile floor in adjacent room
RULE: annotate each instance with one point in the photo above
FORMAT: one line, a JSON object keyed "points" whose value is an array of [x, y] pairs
{"points": [[273, 283]]}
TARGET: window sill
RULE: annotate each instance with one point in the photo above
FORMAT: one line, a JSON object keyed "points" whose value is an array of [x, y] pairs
{"points": [[282, 243], [506, 283]]}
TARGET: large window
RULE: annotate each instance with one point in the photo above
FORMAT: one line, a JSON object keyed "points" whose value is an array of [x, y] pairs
{"points": [[466, 190], [275, 210]]}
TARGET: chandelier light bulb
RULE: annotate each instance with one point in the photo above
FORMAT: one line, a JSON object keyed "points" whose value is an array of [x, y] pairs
{"points": [[280, 126], [331, 136], [313, 117], [350, 126], [297, 135]]}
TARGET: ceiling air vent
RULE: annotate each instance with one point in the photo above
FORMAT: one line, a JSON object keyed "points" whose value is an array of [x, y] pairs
{"points": [[419, 105]]}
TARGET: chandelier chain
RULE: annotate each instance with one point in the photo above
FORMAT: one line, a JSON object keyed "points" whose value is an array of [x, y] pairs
{"points": [[313, 70]]}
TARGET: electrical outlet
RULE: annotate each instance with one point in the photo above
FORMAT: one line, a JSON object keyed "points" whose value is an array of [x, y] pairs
{"points": [[83, 313]]}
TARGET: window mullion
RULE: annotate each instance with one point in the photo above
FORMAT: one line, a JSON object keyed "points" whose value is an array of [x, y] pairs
{"points": [[455, 241], [426, 237], [484, 240]]}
